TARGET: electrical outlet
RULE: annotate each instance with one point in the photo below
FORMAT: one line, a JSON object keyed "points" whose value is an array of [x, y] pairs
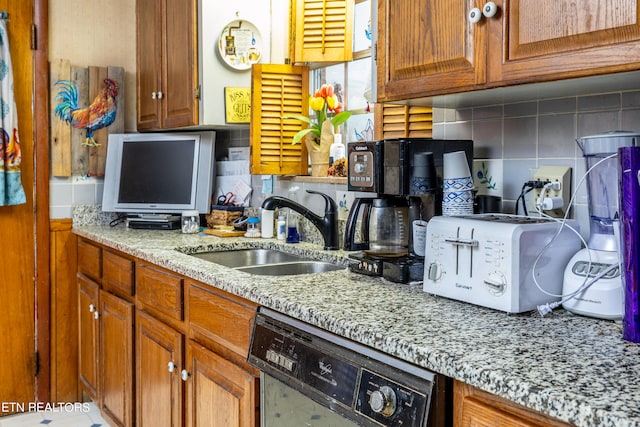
{"points": [[560, 174]]}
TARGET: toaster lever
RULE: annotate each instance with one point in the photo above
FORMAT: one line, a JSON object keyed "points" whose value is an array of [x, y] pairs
{"points": [[462, 242]]}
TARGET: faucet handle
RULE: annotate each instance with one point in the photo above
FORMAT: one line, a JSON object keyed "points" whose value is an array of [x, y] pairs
{"points": [[330, 204]]}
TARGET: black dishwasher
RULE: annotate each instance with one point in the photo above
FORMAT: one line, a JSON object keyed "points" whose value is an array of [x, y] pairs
{"points": [[310, 377]]}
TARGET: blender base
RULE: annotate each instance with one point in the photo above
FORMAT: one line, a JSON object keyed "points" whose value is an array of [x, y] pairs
{"points": [[603, 299]]}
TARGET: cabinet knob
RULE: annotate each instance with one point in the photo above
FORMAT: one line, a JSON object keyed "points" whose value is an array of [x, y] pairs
{"points": [[171, 366], [185, 375], [160, 95], [92, 308], [475, 15], [153, 95], [489, 10], [96, 315]]}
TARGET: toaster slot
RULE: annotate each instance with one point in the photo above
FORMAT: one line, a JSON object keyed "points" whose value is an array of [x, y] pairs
{"points": [[459, 242]]}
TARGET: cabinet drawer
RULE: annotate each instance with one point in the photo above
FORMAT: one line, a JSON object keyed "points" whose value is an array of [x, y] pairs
{"points": [[118, 274], [89, 260], [220, 319], [160, 291]]}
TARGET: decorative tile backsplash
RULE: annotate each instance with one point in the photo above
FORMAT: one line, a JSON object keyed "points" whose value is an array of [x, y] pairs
{"points": [[512, 140]]}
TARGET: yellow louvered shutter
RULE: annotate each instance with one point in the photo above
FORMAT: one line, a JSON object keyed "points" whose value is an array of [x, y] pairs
{"points": [[278, 90], [403, 121], [323, 30]]}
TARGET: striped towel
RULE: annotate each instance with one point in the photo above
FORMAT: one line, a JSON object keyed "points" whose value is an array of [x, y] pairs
{"points": [[11, 191]]}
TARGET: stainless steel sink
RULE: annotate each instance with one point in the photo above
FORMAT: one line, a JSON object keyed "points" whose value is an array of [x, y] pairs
{"points": [[267, 262], [249, 257], [291, 268]]}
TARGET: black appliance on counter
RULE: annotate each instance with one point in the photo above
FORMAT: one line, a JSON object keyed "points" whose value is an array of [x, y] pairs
{"points": [[406, 176]]}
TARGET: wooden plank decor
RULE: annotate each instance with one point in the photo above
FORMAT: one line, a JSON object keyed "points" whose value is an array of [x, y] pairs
{"points": [[117, 75], [60, 131], [80, 152], [76, 127], [97, 155]]}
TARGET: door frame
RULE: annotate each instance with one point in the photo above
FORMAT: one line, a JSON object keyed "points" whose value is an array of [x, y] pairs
{"points": [[41, 195]]}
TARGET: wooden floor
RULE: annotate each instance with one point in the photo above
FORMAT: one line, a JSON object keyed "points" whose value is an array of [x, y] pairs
{"points": [[86, 415]]}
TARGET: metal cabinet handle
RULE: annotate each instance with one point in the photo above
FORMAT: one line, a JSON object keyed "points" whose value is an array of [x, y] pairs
{"points": [[96, 315], [92, 308], [489, 10], [153, 95], [185, 375], [171, 366], [160, 95]]}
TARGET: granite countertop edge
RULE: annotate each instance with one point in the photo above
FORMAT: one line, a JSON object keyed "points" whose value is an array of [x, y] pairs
{"points": [[556, 365]]}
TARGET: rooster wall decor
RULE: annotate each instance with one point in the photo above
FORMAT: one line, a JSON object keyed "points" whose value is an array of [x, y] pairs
{"points": [[101, 113]]}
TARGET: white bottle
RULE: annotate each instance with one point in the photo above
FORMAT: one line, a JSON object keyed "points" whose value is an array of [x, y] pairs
{"points": [[282, 228], [333, 149], [340, 151], [267, 223]]}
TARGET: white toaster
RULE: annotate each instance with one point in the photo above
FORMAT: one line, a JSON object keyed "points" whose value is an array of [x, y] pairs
{"points": [[487, 260]]}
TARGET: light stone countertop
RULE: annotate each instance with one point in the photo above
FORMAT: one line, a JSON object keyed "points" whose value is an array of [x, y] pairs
{"points": [[573, 368]]}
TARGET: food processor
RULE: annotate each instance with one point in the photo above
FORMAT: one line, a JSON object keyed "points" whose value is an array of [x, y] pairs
{"points": [[599, 262]]}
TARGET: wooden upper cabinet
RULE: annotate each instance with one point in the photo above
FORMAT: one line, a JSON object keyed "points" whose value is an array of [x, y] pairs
{"points": [[278, 90], [149, 57], [549, 39], [427, 46], [166, 64], [180, 65], [323, 30], [432, 47]]}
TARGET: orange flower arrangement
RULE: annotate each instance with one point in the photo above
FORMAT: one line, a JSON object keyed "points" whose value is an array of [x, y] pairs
{"points": [[326, 106]]}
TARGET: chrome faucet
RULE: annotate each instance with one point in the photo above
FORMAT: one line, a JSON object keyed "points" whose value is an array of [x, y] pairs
{"points": [[328, 225]]}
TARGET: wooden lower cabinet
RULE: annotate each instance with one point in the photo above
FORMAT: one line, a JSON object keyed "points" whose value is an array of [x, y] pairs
{"points": [[88, 342], [159, 362], [116, 362], [219, 393], [477, 408], [145, 362]]}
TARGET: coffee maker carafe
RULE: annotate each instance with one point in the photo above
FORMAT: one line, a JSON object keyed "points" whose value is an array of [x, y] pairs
{"points": [[384, 231]]}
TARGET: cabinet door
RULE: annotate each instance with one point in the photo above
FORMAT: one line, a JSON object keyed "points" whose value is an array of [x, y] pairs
{"points": [[158, 364], [116, 345], [549, 39], [473, 407], [219, 393], [278, 91], [148, 62], [179, 104], [428, 47], [88, 315], [323, 30]]}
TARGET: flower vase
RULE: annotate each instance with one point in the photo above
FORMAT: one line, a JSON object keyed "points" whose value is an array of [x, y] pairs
{"points": [[319, 152], [319, 163]]}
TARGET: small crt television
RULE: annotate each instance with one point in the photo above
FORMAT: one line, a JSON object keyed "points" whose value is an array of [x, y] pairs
{"points": [[150, 174]]}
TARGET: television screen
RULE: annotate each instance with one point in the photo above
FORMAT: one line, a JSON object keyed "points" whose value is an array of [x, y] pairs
{"points": [[159, 173]]}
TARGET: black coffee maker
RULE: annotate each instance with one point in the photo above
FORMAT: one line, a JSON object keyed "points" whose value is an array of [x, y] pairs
{"points": [[406, 176]]}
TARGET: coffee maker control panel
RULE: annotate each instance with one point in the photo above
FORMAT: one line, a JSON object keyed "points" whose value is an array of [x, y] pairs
{"points": [[361, 170]]}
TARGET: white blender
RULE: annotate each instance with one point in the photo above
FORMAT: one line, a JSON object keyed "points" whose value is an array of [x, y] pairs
{"points": [[599, 260]]}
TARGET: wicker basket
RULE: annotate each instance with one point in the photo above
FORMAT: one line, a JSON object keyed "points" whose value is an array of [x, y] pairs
{"points": [[224, 215]]}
